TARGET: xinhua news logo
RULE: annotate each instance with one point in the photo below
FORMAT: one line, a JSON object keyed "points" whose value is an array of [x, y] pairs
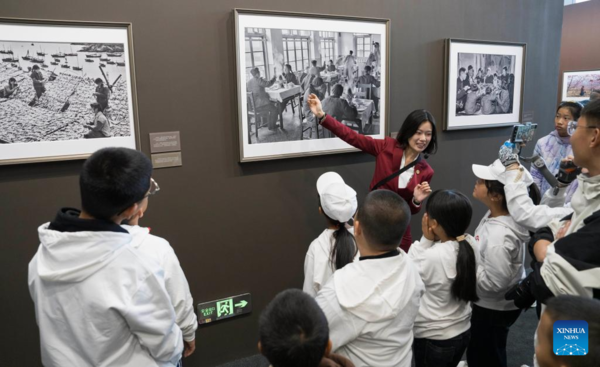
{"points": [[570, 338]]}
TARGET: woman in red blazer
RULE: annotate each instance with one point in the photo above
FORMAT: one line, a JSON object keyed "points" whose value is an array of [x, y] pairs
{"points": [[416, 136]]}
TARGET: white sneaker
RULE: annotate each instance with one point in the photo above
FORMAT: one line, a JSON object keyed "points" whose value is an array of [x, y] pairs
{"points": [[462, 364]]}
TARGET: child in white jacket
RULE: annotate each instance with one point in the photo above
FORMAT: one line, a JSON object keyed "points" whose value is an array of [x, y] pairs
{"points": [[501, 242], [371, 304], [447, 261], [335, 247], [98, 301], [176, 283]]}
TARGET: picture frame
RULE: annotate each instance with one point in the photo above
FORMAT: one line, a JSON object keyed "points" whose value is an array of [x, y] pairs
{"points": [[51, 72], [273, 120], [577, 85], [483, 83]]}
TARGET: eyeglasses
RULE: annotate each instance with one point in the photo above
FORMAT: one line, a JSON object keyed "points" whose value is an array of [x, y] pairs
{"points": [[154, 188], [572, 126]]}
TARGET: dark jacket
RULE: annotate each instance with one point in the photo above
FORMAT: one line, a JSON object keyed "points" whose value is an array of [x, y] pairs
{"points": [[369, 79], [339, 108], [291, 78], [580, 249], [487, 104], [257, 87]]}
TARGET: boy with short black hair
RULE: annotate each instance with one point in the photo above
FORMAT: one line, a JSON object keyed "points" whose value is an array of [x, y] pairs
{"points": [[98, 301], [371, 305], [293, 332], [569, 308]]}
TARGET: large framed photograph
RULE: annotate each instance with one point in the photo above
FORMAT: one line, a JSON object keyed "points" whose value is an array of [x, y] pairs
{"points": [[483, 84], [281, 58], [577, 85], [67, 89]]}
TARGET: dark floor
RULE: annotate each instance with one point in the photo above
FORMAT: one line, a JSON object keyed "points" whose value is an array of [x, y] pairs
{"points": [[519, 347]]}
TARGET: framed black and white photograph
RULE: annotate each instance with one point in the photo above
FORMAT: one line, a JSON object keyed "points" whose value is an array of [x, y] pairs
{"points": [[284, 57], [67, 89], [577, 85], [484, 84]]}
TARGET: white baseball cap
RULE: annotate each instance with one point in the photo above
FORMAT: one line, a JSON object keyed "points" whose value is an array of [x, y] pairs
{"points": [[493, 172], [338, 200]]}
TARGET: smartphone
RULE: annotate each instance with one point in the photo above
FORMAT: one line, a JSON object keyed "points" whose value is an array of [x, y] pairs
{"points": [[523, 133]]}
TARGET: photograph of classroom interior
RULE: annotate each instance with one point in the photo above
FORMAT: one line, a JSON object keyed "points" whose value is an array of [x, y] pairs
{"points": [[270, 50]]}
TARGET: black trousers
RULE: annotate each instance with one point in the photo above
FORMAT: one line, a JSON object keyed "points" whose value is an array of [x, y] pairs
{"points": [[440, 353], [489, 332]]}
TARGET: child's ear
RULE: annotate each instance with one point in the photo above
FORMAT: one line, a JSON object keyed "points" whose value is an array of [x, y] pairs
{"points": [[328, 348], [433, 223], [320, 210], [496, 197], [260, 348], [128, 213], [357, 228]]}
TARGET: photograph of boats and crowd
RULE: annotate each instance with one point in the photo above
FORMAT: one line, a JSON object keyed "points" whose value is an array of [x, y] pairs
{"points": [[284, 66], [485, 84], [62, 91]]}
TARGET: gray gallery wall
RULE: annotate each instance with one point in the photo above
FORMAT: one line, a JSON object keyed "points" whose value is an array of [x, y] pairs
{"points": [[245, 228]]}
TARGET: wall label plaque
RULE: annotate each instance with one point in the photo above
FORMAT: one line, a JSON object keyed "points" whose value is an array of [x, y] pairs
{"points": [[164, 160], [224, 308], [528, 116], [165, 142]]}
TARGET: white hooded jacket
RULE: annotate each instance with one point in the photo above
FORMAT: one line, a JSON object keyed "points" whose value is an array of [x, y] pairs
{"points": [[317, 264], [501, 244], [371, 307], [175, 281], [559, 274], [99, 302], [441, 316], [523, 210]]}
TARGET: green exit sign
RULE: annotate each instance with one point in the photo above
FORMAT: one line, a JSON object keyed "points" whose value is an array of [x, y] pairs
{"points": [[224, 308]]}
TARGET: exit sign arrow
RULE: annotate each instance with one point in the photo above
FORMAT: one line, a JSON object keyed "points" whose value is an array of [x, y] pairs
{"points": [[224, 308]]}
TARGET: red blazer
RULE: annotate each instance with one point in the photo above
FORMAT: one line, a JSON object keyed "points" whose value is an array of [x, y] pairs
{"points": [[388, 154]]}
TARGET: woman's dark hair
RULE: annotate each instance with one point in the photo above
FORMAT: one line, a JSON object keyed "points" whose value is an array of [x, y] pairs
{"points": [[573, 107], [12, 80], [410, 126], [344, 248], [452, 210]]}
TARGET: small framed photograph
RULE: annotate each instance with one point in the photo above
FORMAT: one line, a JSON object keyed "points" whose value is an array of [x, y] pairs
{"points": [[67, 89], [281, 58], [577, 85], [484, 83]]}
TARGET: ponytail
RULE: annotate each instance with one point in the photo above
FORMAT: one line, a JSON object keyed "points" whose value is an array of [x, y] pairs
{"points": [[344, 248], [452, 210], [464, 287]]}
